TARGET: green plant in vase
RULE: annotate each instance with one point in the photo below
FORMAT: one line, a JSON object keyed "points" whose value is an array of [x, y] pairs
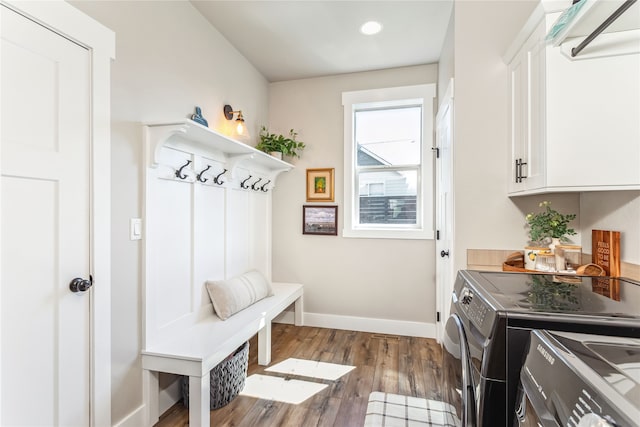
{"points": [[549, 224], [275, 143]]}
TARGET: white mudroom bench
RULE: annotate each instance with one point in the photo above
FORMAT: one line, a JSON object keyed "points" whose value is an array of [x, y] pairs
{"points": [[198, 348]]}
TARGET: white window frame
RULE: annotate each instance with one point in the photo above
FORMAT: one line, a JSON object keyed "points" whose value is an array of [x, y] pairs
{"points": [[411, 95]]}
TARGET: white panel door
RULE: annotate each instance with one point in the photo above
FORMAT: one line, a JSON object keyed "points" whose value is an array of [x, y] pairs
{"points": [[445, 210], [44, 158]]}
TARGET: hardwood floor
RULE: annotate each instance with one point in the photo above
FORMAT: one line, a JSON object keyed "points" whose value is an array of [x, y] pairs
{"points": [[402, 365]]}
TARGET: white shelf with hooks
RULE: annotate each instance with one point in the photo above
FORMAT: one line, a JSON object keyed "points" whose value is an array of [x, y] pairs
{"points": [[191, 137]]}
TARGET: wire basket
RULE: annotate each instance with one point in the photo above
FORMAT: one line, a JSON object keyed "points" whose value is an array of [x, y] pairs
{"points": [[227, 379]]}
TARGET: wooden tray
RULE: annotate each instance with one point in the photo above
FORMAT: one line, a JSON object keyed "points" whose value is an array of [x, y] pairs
{"points": [[515, 262]]}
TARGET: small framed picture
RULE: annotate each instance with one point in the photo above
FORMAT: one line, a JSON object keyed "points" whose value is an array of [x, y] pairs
{"points": [[322, 220], [320, 185]]}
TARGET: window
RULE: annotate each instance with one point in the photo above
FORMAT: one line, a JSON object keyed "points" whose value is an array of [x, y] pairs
{"points": [[388, 162]]}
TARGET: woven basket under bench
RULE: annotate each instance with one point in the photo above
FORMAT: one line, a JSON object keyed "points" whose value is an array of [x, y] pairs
{"points": [[227, 379]]}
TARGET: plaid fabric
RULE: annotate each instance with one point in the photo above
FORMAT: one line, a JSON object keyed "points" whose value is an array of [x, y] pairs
{"points": [[393, 410]]}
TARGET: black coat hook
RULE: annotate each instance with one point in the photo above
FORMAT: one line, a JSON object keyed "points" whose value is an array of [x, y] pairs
{"points": [[264, 185], [242, 184], [218, 179], [253, 186], [199, 177], [179, 173]]}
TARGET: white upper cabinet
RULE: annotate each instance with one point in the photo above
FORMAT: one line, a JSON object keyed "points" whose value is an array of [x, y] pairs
{"points": [[574, 125]]}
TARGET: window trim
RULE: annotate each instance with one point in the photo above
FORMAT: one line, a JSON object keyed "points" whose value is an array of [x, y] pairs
{"points": [[379, 98]]}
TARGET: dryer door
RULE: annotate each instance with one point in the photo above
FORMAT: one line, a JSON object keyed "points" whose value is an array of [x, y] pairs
{"points": [[457, 381]]}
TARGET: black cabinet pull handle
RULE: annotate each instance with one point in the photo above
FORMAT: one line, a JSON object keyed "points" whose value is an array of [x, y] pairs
{"points": [[522, 176]]}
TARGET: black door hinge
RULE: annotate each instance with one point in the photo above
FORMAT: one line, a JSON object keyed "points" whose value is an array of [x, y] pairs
{"points": [[437, 316], [437, 234]]}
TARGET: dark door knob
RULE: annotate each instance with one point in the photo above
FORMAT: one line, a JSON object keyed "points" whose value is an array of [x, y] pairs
{"points": [[444, 254], [80, 285]]}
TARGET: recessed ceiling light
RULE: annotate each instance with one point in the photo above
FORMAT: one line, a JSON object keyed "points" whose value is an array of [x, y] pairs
{"points": [[370, 28]]}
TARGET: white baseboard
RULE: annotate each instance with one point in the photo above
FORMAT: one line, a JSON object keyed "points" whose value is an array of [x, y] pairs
{"points": [[134, 419], [363, 324], [168, 396]]}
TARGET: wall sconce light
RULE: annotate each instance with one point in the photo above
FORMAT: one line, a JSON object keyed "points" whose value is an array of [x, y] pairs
{"points": [[241, 128]]}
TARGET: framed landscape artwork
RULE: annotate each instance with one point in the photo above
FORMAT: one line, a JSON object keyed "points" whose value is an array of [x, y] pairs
{"points": [[320, 185], [322, 220]]}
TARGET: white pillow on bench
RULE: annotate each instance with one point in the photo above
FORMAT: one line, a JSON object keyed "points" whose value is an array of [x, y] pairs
{"points": [[235, 294]]}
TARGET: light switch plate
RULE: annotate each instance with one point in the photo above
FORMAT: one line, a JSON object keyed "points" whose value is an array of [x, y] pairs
{"points": [[135, 228]]}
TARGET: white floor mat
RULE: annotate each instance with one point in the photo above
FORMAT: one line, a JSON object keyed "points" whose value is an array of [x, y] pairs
{"points": [[280, 389], [393, 410], [311, 368]]}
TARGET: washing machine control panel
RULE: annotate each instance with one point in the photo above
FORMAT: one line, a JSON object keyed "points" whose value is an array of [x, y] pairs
{"points": [[475, 308]]}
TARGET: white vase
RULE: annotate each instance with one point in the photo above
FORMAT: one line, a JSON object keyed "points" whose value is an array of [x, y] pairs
{"points": [[276, 154], [559, 254]]}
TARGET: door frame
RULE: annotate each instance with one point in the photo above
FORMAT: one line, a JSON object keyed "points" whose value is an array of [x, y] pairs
{"points": [[64, 19]]}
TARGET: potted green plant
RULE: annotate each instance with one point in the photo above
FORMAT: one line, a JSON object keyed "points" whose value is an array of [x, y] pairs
{"points": [[549, 224], [286, 145]]}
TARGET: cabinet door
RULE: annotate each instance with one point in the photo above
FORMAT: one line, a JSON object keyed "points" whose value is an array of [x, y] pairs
{"points": [[535, 152], [518, 109], [527, 107]]}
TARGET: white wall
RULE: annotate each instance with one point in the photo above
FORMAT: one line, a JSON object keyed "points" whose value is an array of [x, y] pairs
{"points": [[485, 216], [615, 210], [367, 278], [168, 59]]}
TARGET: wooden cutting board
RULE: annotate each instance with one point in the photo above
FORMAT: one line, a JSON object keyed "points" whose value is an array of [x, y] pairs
{"points": [[605, 246]]}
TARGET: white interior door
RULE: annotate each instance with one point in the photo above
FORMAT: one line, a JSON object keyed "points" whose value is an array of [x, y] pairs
{"points": [[444, 210], [44, 160]]}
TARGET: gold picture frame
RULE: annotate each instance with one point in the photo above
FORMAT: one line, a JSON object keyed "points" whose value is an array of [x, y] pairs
{"points": [[320, 185]]}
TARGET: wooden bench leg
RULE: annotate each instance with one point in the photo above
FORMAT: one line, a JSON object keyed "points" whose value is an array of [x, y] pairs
{"points": [[264, 345], [199, 401]]}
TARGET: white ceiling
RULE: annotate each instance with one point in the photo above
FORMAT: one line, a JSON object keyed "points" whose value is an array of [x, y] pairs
{"points": [[288, 40]]}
